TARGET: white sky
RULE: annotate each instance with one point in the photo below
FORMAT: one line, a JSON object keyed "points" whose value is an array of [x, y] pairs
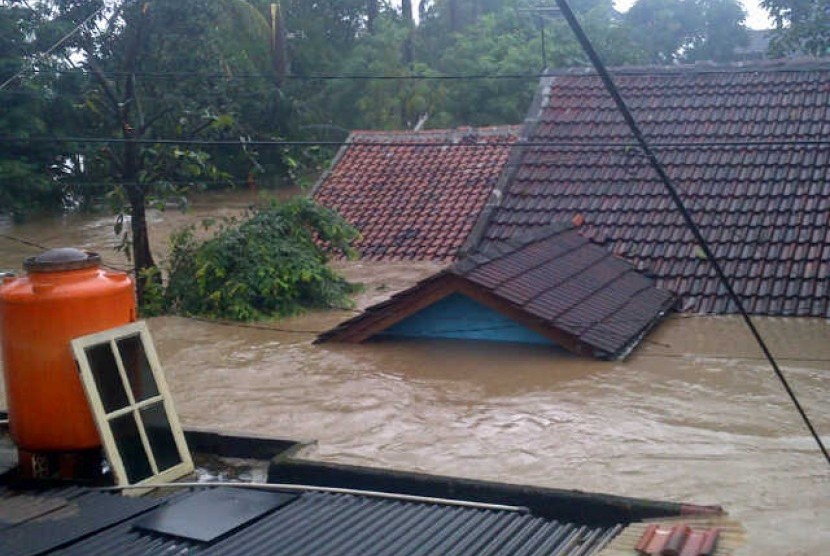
{"points": [[756, 17]]}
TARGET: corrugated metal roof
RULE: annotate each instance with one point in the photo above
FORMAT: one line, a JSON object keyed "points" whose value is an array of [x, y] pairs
{"points": [[335, 524], [76, 515]]}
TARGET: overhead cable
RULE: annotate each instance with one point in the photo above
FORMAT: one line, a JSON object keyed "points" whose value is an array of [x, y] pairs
{"points": [[443, 143], [569, 72], [52, 48]]}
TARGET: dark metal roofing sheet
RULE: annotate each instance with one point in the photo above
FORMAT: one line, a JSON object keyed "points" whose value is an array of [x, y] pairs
{"points": [[208, 515], [338, 524], [83, 515], [17, 507]]}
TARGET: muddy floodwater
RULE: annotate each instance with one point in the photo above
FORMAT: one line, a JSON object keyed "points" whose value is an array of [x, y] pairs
{"points": [[693, 415]]}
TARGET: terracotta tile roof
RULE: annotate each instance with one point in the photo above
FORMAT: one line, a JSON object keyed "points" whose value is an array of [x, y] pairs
{"points": [[765, 209], [417, 201], [554, 281], [653, 537]]}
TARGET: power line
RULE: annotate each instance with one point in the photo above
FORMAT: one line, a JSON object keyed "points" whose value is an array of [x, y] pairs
{"points": [[40, 246], [687, 217], [577, 72], [309, 77], [703, 144], [60, 41]]}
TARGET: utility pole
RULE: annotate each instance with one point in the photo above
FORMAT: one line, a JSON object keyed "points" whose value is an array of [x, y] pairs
{"points": [[279, 54], [542, 13], [408, 48]]}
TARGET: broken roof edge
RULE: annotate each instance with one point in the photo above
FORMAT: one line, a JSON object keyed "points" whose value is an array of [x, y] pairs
{"points": [[670, 303], [341, 152]]}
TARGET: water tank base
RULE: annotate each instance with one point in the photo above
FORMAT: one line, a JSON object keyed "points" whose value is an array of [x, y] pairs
{"points": [[81, 465]]}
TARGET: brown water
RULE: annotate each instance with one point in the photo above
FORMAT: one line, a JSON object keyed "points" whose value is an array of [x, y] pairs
{"points": [[694, 415]]}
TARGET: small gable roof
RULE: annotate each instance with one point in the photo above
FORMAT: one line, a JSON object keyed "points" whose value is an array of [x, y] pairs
{"points": [[555, 282], [747, 148], [415, 195]]}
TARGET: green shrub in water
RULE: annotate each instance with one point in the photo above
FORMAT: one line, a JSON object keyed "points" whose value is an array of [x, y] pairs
{"points": [[270, 263]]}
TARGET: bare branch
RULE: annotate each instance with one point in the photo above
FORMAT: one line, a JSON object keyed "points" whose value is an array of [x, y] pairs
{"points": [[151, 120], [105, 85]]}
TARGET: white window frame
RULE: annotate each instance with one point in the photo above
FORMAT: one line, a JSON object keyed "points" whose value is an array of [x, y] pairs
{"points": [[102, 418]]}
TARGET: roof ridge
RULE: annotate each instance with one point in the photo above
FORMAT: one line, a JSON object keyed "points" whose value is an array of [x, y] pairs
{"points": [[443, 133], [770, 66], [495, 250]]}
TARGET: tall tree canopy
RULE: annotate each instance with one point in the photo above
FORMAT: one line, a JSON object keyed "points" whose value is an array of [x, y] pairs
{"points": [[165, 69], [186, 70], [31, 175], [802, 26], [670, 31]]}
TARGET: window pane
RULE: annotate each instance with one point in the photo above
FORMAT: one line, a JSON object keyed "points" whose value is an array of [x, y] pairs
{"points": [[137, 367], [128, 441], [107, 378], [160, 435]]}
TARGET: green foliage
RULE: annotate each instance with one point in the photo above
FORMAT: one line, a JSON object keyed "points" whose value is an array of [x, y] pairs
{"points": [[28, 173], [802, 26], [670, 31], [272, 263]]}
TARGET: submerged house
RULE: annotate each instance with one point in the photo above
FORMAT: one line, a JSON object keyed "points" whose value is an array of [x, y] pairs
{"points": [[748, 149], [415, 195], [553, 287], [747, 146]]}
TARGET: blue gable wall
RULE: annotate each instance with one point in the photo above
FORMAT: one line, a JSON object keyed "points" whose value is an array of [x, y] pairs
{"points": [[459, 317]]}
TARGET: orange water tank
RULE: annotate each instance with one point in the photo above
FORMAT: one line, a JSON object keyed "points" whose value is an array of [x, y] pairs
{"points": [[64, 294]]}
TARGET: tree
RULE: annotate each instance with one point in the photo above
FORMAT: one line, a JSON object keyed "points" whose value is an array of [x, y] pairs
{"points": [[383, 104], [664, 28], [671, 31], [722, 30], [801, 26], [272, 263], [165, 38], [30, 173]]}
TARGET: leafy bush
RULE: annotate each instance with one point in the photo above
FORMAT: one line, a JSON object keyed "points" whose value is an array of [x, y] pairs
{"points": [[270, 263]]}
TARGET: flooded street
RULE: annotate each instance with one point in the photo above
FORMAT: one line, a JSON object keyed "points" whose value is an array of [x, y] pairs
{"points": [[693, 415]]}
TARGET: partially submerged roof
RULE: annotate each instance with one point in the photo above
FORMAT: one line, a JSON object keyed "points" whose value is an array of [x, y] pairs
{"points": [[746, 146], [555, 283], [415, 195]]}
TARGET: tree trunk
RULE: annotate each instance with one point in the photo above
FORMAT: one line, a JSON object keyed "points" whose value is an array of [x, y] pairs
{"points": [[454, 22], [371, 14], [142, 257], [408, 50], [406, 11], [279, 50]]}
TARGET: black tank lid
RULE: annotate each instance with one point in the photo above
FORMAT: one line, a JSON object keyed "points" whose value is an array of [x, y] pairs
{"points": [[61, 259]]}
